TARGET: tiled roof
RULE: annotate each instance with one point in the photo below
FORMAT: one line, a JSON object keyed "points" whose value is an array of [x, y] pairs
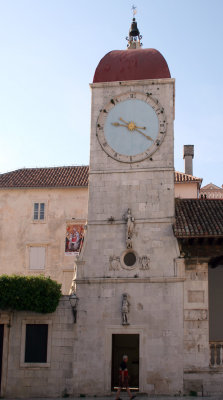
{"points": [[61, 177], [45, 177], [211, 186], [198, 218], [180, 177]]}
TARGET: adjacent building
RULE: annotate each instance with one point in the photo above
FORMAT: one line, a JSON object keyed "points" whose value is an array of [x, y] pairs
{"points": [[211, 191]]}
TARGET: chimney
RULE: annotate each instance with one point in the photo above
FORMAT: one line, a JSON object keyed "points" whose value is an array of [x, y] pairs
{"points": [[188, 156]]}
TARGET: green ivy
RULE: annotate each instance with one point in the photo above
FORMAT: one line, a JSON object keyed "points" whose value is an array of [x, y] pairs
{"points": [[29, 293]]}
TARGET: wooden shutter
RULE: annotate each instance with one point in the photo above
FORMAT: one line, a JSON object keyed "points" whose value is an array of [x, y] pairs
{"points": [[36, 343], [37, 257]]}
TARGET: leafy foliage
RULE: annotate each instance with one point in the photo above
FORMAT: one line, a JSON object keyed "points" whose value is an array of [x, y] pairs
{"points": [[29, 293]]}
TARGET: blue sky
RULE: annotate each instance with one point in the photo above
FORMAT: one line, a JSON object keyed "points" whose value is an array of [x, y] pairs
{"points": [[49, 50]]}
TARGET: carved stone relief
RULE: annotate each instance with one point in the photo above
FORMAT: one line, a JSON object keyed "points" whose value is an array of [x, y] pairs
{"points": [[144, 262], [195, 315], [114, 263]]}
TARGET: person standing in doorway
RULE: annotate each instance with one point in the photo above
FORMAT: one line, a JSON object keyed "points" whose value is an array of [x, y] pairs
{"points": [[124, 378]]}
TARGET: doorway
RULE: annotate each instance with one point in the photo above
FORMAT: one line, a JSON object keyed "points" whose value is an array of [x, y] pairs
{"points": [[1, 350], [215, 284], [129, 345]]}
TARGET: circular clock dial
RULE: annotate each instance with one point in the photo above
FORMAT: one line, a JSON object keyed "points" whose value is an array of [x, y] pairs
{"points": [[131, 127]]}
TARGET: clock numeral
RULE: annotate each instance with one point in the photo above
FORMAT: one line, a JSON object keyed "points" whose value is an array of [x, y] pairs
{"points": [[130, 158], [100, 128], [105, 144], [162, 124], [115, 155], [132, 95]]}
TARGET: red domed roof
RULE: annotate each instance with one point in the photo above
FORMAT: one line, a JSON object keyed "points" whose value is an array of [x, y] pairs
{"points": [[131, 64]]}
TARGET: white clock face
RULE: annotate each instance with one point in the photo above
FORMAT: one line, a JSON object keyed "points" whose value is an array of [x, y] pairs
{"points": [[131, 127]]}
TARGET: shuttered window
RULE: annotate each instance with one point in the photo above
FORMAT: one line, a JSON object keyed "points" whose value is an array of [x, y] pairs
{"points": [[37, 256], [36, 343]]}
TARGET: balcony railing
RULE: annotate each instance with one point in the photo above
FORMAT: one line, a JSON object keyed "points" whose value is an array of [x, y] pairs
{"points": [[216, 354]]}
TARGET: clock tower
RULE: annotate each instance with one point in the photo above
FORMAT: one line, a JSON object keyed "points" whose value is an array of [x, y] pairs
{"points": [[127, 275]]}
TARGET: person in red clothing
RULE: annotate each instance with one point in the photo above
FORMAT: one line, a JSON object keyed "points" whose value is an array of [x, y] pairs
{"points": [[124, 378]]}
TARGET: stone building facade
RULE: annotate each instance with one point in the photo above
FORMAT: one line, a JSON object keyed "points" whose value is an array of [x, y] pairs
{"points": [[37, 206], [63, 192], [148, 276], [211, 191]]}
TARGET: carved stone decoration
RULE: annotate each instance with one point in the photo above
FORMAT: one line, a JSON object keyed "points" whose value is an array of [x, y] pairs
{"points": [[129, 228], [125, 309], [144, 262], [195, 315], [114, 263]]}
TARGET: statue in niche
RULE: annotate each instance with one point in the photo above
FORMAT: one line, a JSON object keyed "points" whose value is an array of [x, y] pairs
{"points": [[144, 262], [114, 263], [129, 228], [125, 309]]}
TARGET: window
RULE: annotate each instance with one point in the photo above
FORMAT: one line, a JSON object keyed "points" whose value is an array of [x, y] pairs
{"points": [[39, 212], [36, 343], [37, 256]]}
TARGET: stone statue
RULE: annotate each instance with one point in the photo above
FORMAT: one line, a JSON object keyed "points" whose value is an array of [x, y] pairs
{"points": [[73, 283], [144, 262], [125, 309], [129, 228], [114, 263]]}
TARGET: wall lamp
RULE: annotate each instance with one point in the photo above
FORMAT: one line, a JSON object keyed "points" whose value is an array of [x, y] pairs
{"points": [[73, 302]]}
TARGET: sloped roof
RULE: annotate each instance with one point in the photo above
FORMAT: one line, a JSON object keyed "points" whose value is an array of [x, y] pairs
{"points": [[46, 177], [61, 177], [198, 218], [211, 186], [181, 177]]}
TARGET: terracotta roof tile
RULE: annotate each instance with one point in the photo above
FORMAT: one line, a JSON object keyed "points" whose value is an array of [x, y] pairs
{"points": [[181, 177], [46, 177], [198, 218], [61, 177]]}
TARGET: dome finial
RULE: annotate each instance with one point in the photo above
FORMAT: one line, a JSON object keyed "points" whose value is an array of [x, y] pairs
{"points": [[134, 34]]}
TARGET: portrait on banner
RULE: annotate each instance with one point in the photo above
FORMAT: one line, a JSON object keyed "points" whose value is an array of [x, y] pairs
{"points": [[74, 238]]}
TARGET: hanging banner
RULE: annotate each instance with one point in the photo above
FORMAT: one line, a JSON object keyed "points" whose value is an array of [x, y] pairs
{"points": [[74, 238]]}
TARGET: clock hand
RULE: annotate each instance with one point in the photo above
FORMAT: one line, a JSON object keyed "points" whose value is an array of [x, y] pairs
{"points": [[132, 128], [118, 124], [121, 119], [131, 125], [141, 127], [147, 137]]}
